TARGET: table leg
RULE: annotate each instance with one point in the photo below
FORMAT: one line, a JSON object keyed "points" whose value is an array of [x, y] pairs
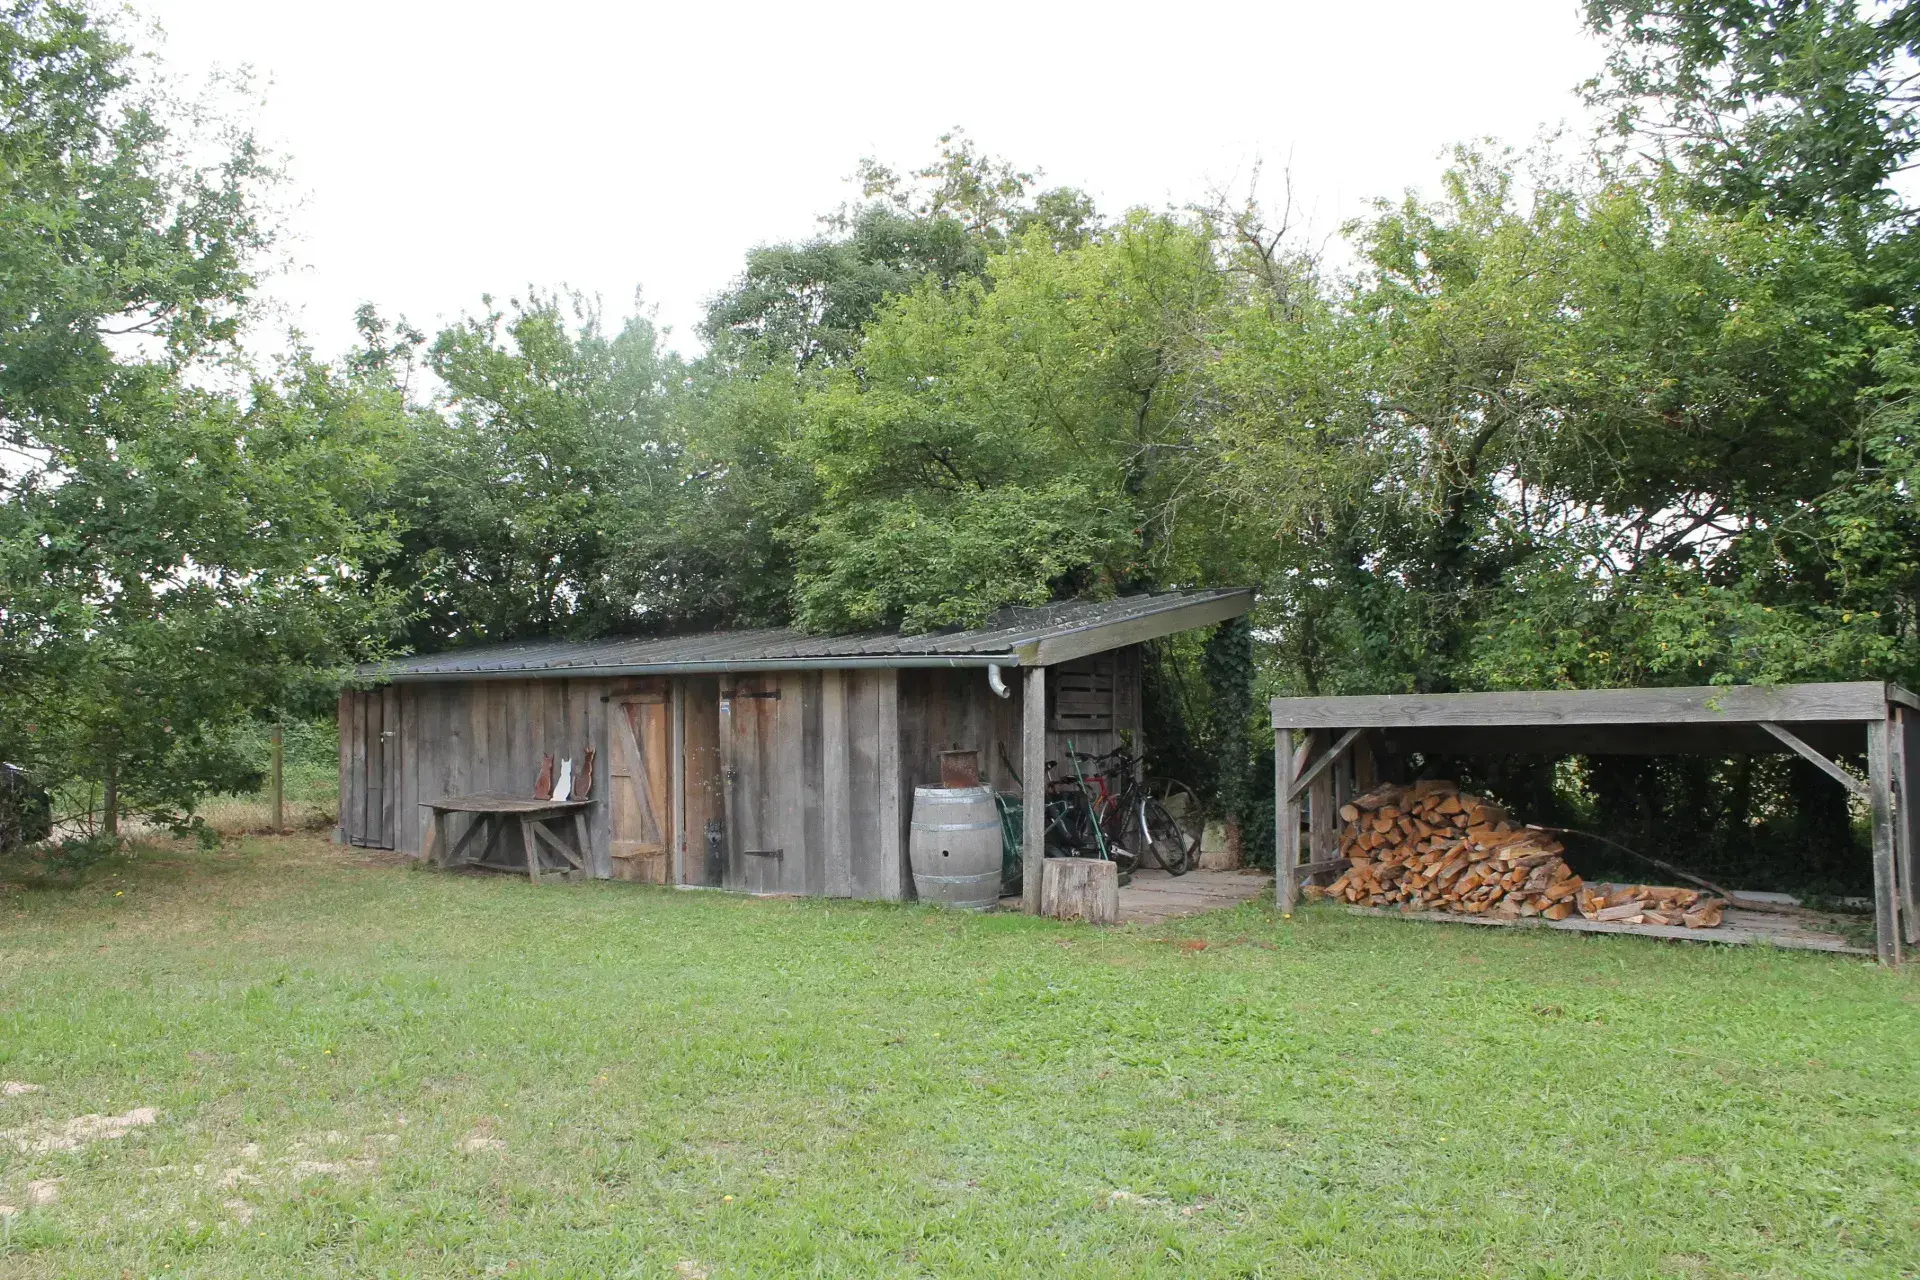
{"points": [[533, 854], [580, 838], [436, 839]]}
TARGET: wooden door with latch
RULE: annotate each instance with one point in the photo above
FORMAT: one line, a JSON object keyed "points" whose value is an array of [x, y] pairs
{"points": [[758, 752], [370, 734], [639, 776]]}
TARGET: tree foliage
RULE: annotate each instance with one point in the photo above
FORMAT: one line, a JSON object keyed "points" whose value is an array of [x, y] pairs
{"points": [[172, 558], [1646, 418], [1807, 106]]}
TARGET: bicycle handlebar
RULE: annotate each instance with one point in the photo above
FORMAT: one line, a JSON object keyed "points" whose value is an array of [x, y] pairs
{"points": [[1104, 755]]}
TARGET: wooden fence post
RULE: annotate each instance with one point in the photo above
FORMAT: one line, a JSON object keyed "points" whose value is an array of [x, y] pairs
{"points": [[279, 777]]}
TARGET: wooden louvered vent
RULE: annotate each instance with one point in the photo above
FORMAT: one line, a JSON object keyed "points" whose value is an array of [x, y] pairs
{"points": [[1083, 696]]}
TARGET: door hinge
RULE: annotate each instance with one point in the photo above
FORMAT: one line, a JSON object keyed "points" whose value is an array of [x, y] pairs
{"points": [[764, 853]]}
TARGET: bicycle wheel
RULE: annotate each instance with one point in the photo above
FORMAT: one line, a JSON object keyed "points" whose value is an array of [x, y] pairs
{"points": [[1180, 800], [1161, 834]]}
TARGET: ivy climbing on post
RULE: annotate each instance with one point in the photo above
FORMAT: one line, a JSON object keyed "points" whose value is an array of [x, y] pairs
{"points": [[1226, 663]]}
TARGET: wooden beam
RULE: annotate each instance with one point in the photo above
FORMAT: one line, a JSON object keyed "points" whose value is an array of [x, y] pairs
{"points": [[1887, 943], [533, 854], [482, 823], [1033, 787], [1861, 701], [1833, 737], [836, 784], [895, 808], [1323, 825], [1325, 762], [1906, 776], [1827, 766], [1286, 822], [543, 832], [1099, 637], [1306, 870], [676, 783]]}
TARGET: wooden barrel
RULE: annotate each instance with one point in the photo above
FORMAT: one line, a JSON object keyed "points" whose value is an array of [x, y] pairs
{"points": [[955, 847]]}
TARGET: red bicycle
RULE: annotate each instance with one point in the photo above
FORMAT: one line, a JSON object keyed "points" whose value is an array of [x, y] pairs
{"points": [[1112, 812]]}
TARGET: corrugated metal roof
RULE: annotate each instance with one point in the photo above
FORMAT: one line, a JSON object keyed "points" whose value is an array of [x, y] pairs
{"points": [[1005, 634]]}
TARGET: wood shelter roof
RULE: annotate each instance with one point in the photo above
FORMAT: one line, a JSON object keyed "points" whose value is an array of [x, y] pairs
{"points": [[1715, 718], [1013, 637]]}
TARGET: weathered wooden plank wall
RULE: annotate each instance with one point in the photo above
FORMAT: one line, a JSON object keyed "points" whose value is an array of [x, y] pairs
{"points": [[705, 861], [824, 773], [805, 812], [954, 709], [460, 738], [876, 836]]}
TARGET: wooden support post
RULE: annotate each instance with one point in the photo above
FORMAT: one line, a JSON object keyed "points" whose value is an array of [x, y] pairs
{"points": [[1033, 787], [1887, 943], [279, 759], [1343, 771], [1286, 823], [1906, 775]]}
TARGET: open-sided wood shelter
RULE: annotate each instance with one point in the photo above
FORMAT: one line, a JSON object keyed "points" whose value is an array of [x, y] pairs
{"points": [[766, 761], [1345, 744]]}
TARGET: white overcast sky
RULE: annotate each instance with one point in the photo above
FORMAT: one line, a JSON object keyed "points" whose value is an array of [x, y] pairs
{"points": [[439, 151]]}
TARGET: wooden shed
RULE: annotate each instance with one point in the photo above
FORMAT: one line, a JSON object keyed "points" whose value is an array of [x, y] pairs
{"points": [[1326, 748], [766, 761]]}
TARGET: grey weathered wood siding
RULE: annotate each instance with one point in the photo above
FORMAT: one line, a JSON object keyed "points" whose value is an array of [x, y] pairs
{"points": [[459, 738], [954, 709], [824, 773]]}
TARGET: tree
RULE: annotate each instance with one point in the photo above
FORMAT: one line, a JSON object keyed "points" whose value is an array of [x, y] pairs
{"points": [[1012, 439], [173, 558], [801, 307], [517, 495], [1809, 106]]}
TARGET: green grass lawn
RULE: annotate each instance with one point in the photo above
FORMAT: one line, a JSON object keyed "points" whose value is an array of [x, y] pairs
{"points": [[363, 1069]]}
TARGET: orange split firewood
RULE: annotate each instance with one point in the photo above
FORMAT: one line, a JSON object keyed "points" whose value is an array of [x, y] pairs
{"points": [[1432, 847]]}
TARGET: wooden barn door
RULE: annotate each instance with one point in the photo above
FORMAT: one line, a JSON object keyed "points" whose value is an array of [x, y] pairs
{"points": [[640, 742], [370, 739], [757, 740]]}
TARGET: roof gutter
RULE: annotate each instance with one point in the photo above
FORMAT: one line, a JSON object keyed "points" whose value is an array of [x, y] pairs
{"points": [[851, 662]]}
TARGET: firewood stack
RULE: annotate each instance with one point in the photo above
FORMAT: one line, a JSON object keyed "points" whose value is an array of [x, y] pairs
{"points": [[1433, 847]]}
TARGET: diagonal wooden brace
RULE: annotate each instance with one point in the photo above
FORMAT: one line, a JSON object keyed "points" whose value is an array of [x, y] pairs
{"points": [[1325, 762], [1832, 770]]}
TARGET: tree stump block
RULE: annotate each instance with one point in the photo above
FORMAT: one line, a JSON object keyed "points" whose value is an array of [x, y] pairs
{"points": [[1080, 889]]}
